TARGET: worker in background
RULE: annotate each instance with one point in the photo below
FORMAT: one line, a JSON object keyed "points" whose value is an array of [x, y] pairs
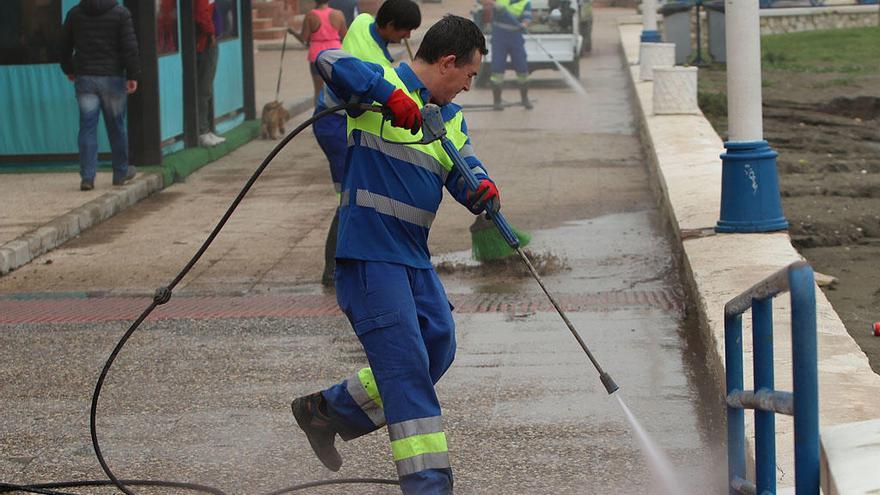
{"points": [[367, 40], [385, 283], [510, 18]]}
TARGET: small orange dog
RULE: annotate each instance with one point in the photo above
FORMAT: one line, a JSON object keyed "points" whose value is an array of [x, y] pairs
{"points": [[274, 117]]}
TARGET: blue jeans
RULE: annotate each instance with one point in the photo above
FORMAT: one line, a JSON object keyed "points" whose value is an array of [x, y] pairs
{"points": [[95, 95]]}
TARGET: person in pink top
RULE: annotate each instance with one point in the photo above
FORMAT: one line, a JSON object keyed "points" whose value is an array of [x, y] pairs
{"points": [[323, 28]]}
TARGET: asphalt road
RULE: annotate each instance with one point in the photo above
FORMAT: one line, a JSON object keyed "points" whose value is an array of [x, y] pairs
{"points": [[205, 398]]}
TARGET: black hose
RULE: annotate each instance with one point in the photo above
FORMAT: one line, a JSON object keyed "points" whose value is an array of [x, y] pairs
{"points": [[162, 296]]}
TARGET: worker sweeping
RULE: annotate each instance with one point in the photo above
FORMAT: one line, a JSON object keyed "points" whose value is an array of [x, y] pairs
{"points": [[385, 282], [368, 40], [509, 19]]}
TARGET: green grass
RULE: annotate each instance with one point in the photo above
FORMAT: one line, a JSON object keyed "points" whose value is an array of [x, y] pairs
{"points": [[846, 51]]}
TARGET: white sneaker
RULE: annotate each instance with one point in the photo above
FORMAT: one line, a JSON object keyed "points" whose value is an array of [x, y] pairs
{"points": [[206, 140], [217, 139]]}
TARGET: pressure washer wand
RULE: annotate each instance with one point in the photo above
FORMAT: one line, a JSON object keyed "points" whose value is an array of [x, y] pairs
{"points": [[432, 130]]}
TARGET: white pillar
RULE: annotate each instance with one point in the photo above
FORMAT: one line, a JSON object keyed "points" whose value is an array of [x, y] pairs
{"points": [[649, 15], [649, 22], [743, 37]]}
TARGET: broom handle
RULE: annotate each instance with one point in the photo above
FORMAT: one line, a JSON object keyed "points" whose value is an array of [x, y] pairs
{"points": [[471, 180]]}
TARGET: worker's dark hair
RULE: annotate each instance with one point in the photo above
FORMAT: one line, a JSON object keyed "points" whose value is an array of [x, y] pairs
{"points": [[452, 35], [405, 14]]}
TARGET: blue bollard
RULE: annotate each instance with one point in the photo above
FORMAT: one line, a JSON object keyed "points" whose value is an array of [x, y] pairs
{"points": [[750, 199], [651, 36]]}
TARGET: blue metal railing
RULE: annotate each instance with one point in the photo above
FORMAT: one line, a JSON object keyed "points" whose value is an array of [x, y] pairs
{"points": [[802, 402]]}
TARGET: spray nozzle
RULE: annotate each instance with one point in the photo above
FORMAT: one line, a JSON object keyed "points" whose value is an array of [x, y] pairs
{"points": [[610, 385]]}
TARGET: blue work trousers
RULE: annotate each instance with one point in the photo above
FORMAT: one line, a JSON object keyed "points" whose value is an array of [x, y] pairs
{"points": [[508, 43], [96, 95], [404, 322], [330, 134]]}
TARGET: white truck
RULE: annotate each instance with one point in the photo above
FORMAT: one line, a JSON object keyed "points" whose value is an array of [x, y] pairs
{"points": [[559, 28]]}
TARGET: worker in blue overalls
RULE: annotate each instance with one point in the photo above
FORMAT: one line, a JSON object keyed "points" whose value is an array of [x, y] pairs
{"points": [[385, 283], [510, 18], [367, 40]]}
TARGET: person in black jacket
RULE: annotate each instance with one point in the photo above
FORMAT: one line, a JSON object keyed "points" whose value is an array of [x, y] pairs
{"points": [[99, 53]]}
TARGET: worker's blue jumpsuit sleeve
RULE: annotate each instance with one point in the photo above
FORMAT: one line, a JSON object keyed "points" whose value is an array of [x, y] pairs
{"points": [[330, 133], [349, 76], [454, 183]]}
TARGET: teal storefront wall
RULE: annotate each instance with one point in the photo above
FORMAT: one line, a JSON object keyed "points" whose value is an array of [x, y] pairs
{"points": [[43, 117], [41, 109], [171, 97], [229, 80]]}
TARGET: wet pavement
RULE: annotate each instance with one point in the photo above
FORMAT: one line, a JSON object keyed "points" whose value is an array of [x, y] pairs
{"points": [[206, 399]]}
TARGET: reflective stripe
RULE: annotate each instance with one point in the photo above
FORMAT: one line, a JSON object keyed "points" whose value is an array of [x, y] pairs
{"points": [[365, 375], [507, 27], [413, 427], [404, 153], [361, 394], [467, 150], [328, 58], [432, 443], [479, 170], [394, 208], [337, 187], [439, 460], [419, 444]]}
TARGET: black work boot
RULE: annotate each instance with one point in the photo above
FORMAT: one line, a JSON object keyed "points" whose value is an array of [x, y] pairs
{"points": [[496, 97], [310, 412], [524, 94]]}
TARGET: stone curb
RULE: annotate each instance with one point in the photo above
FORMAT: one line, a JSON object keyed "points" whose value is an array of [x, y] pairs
{"points": [[682, 153], [22, 250]]}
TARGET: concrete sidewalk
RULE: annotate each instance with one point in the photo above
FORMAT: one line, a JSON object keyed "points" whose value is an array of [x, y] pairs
{"points": [[44, 210]]}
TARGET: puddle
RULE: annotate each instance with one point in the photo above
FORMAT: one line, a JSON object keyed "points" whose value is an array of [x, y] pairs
{"points": [[622, 251], [461, 262]]}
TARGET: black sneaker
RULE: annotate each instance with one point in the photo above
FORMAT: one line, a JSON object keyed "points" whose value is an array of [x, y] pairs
{"points": [[86, 185], [132, 171], [318, 429]]}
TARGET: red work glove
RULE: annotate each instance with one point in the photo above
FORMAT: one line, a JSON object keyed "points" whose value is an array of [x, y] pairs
{"points": [[477, 200], [404, 111]]}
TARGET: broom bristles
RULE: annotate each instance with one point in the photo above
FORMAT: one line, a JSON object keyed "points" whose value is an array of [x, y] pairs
{"points": [[488, 244]]}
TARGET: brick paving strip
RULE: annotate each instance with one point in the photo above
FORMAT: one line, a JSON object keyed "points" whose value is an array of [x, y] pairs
{"points": [[37, 309]]}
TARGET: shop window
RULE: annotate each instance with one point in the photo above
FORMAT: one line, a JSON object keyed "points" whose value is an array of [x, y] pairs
{"points": [[30, 32], [226, 19], [166, 27]]}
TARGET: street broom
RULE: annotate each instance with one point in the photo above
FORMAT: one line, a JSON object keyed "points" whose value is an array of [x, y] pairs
{"points": [[487, 243]]}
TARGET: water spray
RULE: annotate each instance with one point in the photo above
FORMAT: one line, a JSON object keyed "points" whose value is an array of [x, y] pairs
{"points": [[572, 81]]}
